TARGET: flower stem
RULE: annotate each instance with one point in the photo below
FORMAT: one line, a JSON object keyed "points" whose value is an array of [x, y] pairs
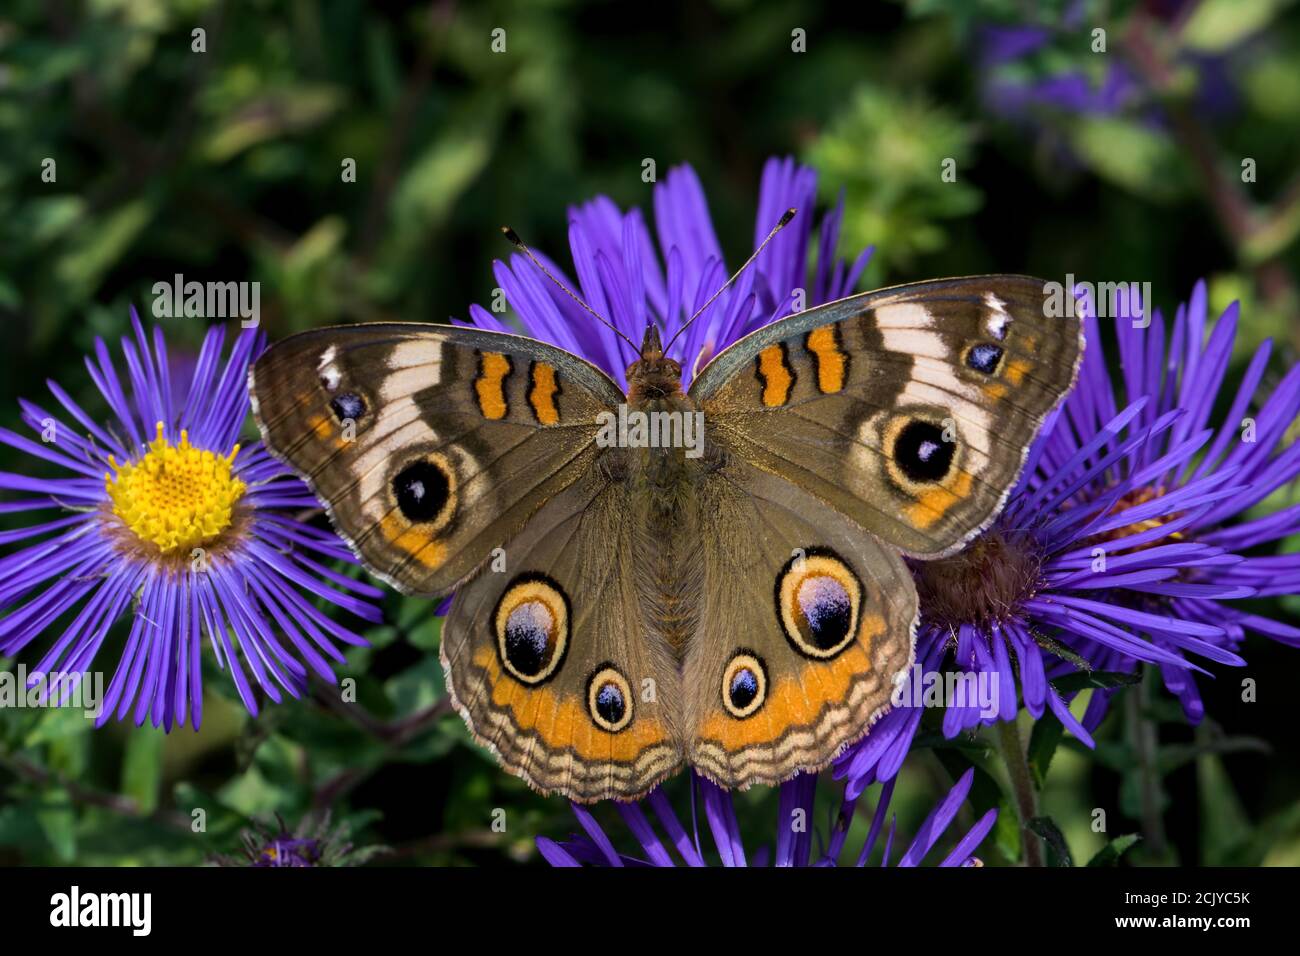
{"points": [[1013, 755], [1145, 742]]}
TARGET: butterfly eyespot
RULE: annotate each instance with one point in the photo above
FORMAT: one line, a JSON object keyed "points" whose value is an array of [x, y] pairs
{"points": [[818, 601], [744, 684], [609, 699], [918, 452], [984, 357], [347, 406], [532, 629], [425, 491]]}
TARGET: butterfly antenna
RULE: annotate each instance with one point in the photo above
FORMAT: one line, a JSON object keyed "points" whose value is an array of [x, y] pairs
{"points": [[514, 238], [785, 221]]}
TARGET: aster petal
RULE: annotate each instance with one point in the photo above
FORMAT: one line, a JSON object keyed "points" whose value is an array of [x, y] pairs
{"points": [[596, 834], [688, 849], [636, 821]]}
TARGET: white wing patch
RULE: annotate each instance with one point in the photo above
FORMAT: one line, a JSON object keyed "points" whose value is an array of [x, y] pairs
{"points": [[998, 318], [412, 365]]}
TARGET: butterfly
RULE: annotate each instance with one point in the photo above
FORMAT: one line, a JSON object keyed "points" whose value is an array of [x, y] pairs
{"points": [[626, 605]]}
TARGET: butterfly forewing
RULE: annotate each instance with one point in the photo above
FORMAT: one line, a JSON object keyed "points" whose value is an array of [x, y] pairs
{"points": [[909, 410], [431, 445]]}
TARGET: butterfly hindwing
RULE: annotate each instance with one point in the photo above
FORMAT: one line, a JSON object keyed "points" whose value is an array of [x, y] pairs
{"points": [[553, 662], [910, 409], [430, 444], [806, 627]]}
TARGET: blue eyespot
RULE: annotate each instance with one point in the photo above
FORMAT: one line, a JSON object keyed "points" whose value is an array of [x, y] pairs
{"points": [[610, 704], [744, 684], [348, 405], [826, 608], [818, 603], [744, 688], [530, 638], [609, 699], [531, 627], [984, 357]]}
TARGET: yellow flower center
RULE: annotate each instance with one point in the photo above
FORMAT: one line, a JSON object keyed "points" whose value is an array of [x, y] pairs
{"points": [[177, 496], [1139, 496]]}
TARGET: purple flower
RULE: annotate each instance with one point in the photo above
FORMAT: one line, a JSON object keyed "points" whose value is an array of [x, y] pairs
{"points": [[163, 516], [1177, 500], [624, 278], [1116, 548], [1011, 90], [794, 838], [1036, 72], [314, 843]]}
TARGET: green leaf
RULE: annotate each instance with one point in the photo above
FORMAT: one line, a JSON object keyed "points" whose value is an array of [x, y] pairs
{"points": [[1043, 741], [1225, 824], [1110, 854], [436, 178], [917, 176], [1129, 154], [58, 820], [1173, 756], [57, 723], [100, 244], [269, 117], [142, 767], [1217, 26], [1058, 850]]}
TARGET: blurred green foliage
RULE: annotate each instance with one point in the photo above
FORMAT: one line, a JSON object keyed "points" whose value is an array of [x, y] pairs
{"points": [[229, 164]]}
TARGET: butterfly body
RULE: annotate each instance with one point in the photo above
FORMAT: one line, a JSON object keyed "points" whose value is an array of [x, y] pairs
{"points": [[658, 577]]}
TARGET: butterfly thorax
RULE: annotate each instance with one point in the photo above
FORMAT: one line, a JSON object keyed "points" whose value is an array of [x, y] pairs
{"points": [[664, 478], [654, 376]]}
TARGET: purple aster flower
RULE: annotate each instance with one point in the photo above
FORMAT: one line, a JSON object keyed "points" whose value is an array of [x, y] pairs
{"points": [[313, 843], [163, 515], [1116, 548], [1176, 501], [1011, 89], [623, 277], [1024, 76], [795, 833]]}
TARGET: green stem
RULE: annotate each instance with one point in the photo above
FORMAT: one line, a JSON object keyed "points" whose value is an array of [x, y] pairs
{"points": [[1022, 784], [1142, 734]]}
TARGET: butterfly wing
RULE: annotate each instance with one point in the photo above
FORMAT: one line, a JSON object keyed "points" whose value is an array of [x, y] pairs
{"points": [[909, 410], [430, 444], [807, 624], [552, 661]]}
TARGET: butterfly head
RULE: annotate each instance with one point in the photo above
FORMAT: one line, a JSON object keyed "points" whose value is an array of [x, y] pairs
{"points": [[654, 375]]}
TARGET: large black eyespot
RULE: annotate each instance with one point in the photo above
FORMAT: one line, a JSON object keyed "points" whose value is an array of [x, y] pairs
{"points": [[531, 621], [984, 357], [921, 452], [818, 600], [348, 405], [422, 490], [609, 699], [744, 684]]}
